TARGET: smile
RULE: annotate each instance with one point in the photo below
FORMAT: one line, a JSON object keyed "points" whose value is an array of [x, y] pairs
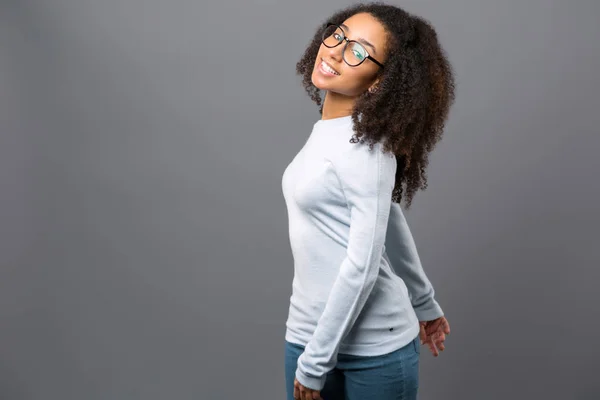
{"points": [[327, 69]]}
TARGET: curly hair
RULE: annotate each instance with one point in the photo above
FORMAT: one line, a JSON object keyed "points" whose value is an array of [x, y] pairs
{"points": [[408, 109]]}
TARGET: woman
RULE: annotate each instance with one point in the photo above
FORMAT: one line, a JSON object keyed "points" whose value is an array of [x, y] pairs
{"points": [[361, 300]]}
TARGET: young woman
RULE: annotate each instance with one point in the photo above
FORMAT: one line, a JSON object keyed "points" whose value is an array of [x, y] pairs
{"points": [[360, 299]]}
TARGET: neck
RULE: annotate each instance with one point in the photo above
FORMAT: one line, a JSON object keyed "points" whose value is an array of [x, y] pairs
{"points": [[336, 105]]}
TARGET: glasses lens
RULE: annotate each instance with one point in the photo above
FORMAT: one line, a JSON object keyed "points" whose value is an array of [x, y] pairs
{"points": [[332, 36], [355, 53]]}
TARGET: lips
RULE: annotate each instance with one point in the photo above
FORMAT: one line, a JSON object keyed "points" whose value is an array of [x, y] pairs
{"points": [[328, 68]]}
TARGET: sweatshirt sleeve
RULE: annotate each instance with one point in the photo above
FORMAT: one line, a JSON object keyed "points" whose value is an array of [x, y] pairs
{"points": [[402, 252], [367, 178]]}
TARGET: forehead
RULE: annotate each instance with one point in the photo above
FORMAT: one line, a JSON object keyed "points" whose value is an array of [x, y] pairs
{"points": [[365, 26]]}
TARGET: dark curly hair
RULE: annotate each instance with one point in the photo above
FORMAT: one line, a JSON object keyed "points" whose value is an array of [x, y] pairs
{"points": [[408, 110]]}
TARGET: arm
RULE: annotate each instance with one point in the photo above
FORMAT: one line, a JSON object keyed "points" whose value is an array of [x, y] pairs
{"points": [[402, 253], [367, 179]]}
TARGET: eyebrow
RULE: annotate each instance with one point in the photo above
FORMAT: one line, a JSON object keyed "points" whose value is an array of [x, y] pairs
{"points": [[364, 41]]}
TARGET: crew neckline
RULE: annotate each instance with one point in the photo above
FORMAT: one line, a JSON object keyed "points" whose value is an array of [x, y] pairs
{"points": [[334, 121]]}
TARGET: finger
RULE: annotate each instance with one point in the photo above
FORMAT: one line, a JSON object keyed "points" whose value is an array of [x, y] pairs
{"points": [[441, 347], [432, 347], [296, 389], [442, 338], [301, 392], [446, 327], [440, 341], [422, 334], [434, 350], [439, 337], [305, 393], [316, 395]]}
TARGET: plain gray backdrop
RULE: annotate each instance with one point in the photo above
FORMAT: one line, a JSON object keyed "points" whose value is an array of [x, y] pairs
{"points": [[144, 251]]}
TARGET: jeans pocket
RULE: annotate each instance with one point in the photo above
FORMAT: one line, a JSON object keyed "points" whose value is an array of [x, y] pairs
{"points": [[417, 343]]}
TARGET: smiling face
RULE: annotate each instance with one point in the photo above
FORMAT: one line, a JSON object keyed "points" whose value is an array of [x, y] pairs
{"points": [[332, 73]]}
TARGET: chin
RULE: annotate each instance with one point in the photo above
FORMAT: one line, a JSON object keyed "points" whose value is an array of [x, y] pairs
{"points": [[318, 82], [326, 85]]}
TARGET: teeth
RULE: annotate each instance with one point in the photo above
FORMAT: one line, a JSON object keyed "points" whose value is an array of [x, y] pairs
{"points": [[328, 68]]}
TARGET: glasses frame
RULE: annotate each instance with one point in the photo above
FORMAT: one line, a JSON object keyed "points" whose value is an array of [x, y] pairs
{"points": [[348, 41]]}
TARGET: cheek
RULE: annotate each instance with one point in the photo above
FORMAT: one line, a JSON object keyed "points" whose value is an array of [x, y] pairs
{"points": [[321, 53], [357, 80]]}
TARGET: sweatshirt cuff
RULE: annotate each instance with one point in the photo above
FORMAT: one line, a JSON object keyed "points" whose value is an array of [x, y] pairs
{"points": [[310, 382], [429, 311]]}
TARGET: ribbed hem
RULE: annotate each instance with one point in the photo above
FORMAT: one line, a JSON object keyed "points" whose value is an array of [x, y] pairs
{"points": [[309, 381], [392, 343], [429, 311]]}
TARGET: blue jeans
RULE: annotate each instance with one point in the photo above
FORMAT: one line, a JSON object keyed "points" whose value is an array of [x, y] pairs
{"points": [[392, 376]]}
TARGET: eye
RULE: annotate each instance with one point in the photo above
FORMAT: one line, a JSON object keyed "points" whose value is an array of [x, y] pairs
{"points": [[358, 55], [358, 51]]}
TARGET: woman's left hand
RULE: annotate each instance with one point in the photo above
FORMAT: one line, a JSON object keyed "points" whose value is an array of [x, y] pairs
{"points": [[304, 393], [433, 333]]}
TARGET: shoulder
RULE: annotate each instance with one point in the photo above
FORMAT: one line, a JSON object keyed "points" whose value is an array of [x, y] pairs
{"points": [[359, 156], [359, 166]]}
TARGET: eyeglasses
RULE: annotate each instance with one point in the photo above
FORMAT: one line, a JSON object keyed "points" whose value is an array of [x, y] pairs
{"points": [[353, 53]]}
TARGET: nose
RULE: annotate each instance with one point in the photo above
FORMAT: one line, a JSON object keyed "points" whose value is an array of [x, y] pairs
{"points": [[336, 52]]}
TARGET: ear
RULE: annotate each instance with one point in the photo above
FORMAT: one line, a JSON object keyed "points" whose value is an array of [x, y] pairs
{"points": [[373, 88]]}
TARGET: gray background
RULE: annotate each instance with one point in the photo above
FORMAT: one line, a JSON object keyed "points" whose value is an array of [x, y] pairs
{"points": [[143, 233]]}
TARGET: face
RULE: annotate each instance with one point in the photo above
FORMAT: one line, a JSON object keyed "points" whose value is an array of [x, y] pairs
{"points": [[332, 73]]}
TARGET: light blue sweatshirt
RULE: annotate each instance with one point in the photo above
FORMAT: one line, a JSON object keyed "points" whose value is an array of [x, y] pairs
{"points": [[358, 285]]}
